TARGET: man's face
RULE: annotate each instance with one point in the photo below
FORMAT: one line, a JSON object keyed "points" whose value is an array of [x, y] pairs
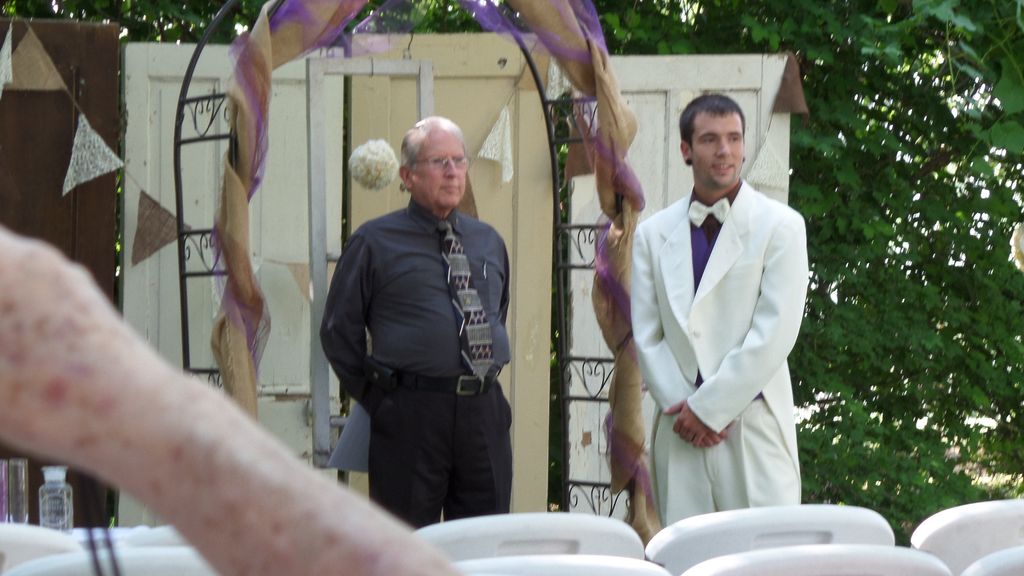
{"points": [[439, 189], [716, 155]]}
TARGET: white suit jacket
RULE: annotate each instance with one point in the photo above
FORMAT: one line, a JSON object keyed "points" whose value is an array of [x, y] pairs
{"points": [[738, 327]]}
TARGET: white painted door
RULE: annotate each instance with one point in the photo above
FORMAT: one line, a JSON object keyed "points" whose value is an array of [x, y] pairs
{"points": [[279, 240], [657, 88], [476, 77]]}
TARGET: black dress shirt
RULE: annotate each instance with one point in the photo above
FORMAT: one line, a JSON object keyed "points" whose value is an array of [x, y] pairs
{"points": [[391, 281]]}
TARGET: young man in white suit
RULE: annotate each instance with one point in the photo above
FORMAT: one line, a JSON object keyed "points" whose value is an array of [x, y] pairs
{"points": [[716, 309]]}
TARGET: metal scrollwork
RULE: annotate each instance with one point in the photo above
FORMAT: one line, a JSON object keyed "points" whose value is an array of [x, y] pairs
{"points": [[565, 115], [598, 498], [595, 375], [204, 111], [582, 241], [212, 376], [201, 242]]}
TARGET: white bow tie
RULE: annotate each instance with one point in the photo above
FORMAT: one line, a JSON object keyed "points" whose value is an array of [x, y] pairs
{"points": [[699, 212]]}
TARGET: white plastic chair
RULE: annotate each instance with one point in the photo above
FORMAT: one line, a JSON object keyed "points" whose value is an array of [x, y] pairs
{"points": [[692, 540], [560, 565], [533, 533], [139, 561], [963, 534], [1008, 562], [158, 536], [23, 542], [824, 560]]}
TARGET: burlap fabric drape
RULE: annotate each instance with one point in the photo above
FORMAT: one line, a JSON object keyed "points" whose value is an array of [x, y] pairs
{"points": [[242, 327]]}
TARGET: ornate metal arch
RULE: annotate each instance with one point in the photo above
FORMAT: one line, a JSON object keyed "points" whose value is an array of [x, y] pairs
{"points": [[573, 248], [195, 122]]}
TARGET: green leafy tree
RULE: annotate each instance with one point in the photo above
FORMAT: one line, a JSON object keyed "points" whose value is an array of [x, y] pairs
{"points": [[148, 21], [910, 365], [168, 21]]}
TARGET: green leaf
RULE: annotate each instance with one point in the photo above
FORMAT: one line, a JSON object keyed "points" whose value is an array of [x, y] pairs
{"points": [[612, 20], [982, 167], [1010, 91], [1008, 135]]}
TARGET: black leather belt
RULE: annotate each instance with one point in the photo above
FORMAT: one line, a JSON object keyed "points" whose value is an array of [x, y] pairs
{"points": [[465, 385]]}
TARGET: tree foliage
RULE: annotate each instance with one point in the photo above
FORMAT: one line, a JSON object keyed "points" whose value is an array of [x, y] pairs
{"points": [[146, 21], [910, 364], [168, 21]]}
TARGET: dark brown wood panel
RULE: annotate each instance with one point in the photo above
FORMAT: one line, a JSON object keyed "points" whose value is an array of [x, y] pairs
{"points": [[37, 129]]}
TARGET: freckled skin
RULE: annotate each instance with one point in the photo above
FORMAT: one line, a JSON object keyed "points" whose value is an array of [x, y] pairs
{"points": [[55, 393], [76, 385]]}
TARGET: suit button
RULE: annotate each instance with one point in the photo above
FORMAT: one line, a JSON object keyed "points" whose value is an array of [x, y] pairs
{"points": [[696, 333]]}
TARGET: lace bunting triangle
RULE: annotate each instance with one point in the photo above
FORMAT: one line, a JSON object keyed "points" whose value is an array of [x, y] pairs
{"points": [[90, 157], [6, 71]]}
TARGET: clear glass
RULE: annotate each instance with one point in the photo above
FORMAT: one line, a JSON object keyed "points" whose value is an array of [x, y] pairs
{"points": [[56, 508], [3, 490], [17, 490]]}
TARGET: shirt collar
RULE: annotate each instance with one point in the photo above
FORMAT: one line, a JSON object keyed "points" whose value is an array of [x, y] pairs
{"points": [[731, 195], [426, 218]]}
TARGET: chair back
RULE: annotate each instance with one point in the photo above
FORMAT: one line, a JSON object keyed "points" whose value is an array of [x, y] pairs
{"points": [[963, 534], [531, 533], [560, 565], [1008, 562], [131, 561], [158, 536], [824, 560], [23, 542], [692, 540]]}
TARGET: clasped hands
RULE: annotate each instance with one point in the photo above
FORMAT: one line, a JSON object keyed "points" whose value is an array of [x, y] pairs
{"points": [[690, 428]]}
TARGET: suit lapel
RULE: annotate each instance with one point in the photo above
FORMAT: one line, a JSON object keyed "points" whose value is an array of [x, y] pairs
{"points": [[730, 243], [676, 260]]}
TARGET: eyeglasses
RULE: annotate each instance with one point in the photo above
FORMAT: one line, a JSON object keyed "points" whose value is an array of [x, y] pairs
{"points": [[444, 162]]}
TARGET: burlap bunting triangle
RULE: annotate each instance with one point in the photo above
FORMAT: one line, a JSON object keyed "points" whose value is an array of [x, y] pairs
{"points": [[32, 68], [155, 228]]}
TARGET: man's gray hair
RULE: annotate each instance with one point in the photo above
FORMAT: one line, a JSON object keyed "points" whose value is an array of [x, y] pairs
{"points": [[418, 133]]}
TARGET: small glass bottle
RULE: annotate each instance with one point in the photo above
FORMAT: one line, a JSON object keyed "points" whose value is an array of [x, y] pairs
{"points": [[17, 490], [56, 509], [3, 490]]}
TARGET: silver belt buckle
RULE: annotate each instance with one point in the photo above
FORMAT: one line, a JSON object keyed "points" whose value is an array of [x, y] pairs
{"points": [[464, 386]]}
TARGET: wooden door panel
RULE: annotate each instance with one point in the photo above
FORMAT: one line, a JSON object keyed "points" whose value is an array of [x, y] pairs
{"points": [[37, 129]]}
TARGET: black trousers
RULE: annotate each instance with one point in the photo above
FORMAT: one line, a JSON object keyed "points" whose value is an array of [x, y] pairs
{"points": [[437, 452]]}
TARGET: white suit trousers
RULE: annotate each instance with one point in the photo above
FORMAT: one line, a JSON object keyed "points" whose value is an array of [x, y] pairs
{"points": [[751, 467]]}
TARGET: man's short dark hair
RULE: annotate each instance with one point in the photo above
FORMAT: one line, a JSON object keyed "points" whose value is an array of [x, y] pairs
{"points": [[713, 104]]}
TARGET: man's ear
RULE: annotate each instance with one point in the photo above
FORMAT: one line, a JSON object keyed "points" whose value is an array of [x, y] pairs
{"points": [[684, 149], [403, 173]]}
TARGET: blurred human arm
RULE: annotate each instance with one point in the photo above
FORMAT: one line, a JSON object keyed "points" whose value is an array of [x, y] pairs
{"points": [[76, 384]]}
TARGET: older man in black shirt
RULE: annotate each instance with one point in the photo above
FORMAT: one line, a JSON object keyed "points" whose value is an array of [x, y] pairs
{"points": [[439, 440]]}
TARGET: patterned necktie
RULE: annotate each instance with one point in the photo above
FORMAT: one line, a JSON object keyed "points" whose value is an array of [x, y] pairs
{"points": [[474, 330]]}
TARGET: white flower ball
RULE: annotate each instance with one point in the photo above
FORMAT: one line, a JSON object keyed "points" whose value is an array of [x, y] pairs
{"points": [[373, 165], [1017, 246]]}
